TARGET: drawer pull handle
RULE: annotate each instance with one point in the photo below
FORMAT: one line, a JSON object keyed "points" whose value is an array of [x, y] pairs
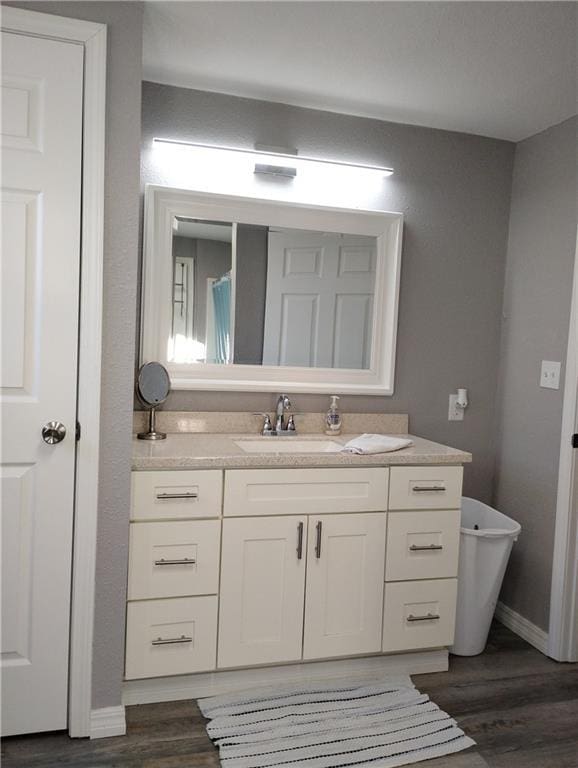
{"points": [[425, 547], [318, 527], [299, 541], [172, 640], [428, 488], [428, 617], [188, 495], [182, 561]]}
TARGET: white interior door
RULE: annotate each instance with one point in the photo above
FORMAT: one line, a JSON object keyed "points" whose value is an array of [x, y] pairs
{"points": [[345, 578], [319, 304], [41, 135], [262, 590]]}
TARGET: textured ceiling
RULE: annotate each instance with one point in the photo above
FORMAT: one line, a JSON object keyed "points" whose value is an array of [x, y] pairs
{"points": [[502, 69]]}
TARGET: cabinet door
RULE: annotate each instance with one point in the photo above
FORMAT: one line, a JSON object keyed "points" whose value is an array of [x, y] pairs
{"points": [[345, 575], [262, 590]]}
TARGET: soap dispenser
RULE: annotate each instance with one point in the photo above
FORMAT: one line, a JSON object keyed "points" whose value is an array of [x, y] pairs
{"points": [[333, 418]]}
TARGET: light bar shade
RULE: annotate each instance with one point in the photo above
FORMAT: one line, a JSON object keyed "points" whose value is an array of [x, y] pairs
{"points": [[277, 164]]}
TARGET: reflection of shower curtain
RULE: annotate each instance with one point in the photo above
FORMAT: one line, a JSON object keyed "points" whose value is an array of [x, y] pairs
{"points": [[222, 304]]}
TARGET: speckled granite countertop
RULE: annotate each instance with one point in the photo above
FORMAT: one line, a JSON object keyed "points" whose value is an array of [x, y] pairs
{"points": [[220, 451]]}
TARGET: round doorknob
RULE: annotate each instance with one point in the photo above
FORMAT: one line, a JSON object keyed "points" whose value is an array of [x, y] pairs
{"points": [[53, 432]]}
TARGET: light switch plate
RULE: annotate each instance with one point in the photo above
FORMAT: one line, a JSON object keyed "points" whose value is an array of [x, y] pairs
{"points": [[550, 374], [455, 413]]}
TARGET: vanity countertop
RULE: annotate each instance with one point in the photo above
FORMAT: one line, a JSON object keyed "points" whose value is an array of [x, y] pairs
{"points": [[219, 451]]}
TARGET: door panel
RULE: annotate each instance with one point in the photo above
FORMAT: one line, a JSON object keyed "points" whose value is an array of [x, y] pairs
{"points": [[351, 342], [319, 302], [345, 573], [299, 329], [262, 590], [40, 136]]}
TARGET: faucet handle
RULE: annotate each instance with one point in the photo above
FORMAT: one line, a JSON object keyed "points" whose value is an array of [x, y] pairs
{"points": [[291, 424], [267, 428]]}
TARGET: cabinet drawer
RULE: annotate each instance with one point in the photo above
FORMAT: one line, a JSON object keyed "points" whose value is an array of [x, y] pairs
{"points": [[425, 488], [171, 637], [174, 559], [422, 545], [419, 614], [306, 491], [176, 494]]}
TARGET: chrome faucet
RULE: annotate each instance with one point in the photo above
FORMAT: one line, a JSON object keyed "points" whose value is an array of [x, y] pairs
{"points": [[283, 404], [282, 426]]}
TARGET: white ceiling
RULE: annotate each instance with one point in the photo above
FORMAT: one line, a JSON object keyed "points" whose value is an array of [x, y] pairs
{"points": [[502, 69]]}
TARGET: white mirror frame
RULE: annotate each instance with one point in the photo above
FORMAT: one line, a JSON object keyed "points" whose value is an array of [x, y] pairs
{"points": [[162, 204]]}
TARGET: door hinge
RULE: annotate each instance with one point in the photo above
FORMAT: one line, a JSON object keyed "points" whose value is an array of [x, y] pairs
{"points": [[77, 431], [575, 441]]}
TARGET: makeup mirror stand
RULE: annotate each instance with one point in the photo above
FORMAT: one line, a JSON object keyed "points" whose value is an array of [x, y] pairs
{"points": [[151, 433], [152, 386]]}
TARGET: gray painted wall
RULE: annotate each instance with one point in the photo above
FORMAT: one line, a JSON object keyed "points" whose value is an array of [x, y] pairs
{"points": [[250, 293], [124, 20], [454, 190], [537, 297]]}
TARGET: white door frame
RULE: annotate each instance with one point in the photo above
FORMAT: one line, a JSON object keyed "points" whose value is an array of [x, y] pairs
{"points": [[93, 38], [563, 630]]}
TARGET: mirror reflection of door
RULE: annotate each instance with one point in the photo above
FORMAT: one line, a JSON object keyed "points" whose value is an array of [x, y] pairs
{"points": [[319, 304], [202, 297]]}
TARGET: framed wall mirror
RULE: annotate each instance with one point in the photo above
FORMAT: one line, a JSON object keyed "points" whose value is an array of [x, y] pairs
{"points": [[257, 295]]}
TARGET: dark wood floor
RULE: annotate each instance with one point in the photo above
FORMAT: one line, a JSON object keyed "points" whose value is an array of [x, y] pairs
{"points": [[520, 707]]}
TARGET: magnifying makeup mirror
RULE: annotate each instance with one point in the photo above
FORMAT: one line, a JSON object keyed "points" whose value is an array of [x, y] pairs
{"points": [[152, 387]]}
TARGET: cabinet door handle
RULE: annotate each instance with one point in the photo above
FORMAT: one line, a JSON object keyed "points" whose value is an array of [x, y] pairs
{"points": [[428, 488], [318, 528], [182, 561], [299, 541], [187, 495], [172, 640], [425, 547], [428, 617]]}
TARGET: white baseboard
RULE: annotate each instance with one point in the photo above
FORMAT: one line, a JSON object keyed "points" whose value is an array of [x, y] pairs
{"points": [[212, 683], [108, 721], [522, 627]]}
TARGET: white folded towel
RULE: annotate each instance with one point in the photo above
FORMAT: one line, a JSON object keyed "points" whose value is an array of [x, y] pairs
{"points": [[376, 444]]}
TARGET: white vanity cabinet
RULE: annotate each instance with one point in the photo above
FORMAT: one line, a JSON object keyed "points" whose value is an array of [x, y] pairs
{"points": [[238, 568]]}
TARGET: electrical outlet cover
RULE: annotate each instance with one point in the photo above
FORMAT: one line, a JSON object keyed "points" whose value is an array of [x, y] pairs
{"points": [[550, 374], [455, 413]]}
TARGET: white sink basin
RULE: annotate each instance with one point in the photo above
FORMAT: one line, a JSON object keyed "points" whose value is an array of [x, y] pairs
{"points": [[288, 445]]}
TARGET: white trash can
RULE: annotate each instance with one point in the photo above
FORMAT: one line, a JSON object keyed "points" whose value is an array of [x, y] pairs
{"points": [[486, 541]]}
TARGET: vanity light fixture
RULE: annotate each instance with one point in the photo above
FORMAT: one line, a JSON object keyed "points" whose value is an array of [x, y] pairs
{"points": [[279, 163]]}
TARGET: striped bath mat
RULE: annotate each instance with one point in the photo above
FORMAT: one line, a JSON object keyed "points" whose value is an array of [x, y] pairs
{"points": [[330, 725]]}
